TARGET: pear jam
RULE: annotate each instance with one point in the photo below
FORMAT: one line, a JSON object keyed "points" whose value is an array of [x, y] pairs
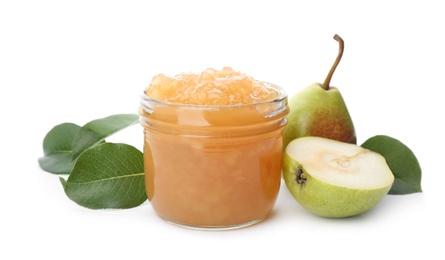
{"points": [[212, 147]]}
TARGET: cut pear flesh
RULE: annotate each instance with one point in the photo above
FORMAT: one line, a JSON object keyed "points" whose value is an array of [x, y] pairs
{"points": [[335, 179], [341, 164]]}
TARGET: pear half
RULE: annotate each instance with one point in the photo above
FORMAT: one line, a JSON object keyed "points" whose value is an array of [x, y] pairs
{"points": [[335, 179]]}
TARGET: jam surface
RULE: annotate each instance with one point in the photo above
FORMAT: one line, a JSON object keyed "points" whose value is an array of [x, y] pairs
{"points": [[210, 87]]}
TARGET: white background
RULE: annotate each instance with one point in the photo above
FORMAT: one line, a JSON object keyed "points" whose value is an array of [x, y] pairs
{"points": [[75, 61]]}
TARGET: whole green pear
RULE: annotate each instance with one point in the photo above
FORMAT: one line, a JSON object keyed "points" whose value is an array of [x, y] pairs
{"points": [[319, 110], [335, 179]]}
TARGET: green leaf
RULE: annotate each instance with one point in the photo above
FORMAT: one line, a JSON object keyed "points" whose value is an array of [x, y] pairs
{"points": [[108, 175], [58, 163], [402, 162], [57, 149], [96, 131]]}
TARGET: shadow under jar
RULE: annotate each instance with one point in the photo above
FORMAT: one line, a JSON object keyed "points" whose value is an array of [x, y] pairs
{"points": [[213, 167]]}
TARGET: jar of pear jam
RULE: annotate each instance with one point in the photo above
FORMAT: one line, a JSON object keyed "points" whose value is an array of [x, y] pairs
{"points": [[212, 147]]}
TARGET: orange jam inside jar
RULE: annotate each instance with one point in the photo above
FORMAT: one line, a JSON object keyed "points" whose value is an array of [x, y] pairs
{"points": [[213, 147]]}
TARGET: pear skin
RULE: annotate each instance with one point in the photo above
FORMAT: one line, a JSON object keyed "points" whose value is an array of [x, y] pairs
{"points": [[315, 111]]}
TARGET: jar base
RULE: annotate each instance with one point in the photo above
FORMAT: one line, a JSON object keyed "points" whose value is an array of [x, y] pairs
{"points": [[214, 228]]}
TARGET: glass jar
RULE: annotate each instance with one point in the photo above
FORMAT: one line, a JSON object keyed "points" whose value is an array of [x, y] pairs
{"points": [[213, 167]]}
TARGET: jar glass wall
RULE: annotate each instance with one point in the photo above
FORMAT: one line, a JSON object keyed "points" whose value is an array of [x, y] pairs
{"points": [[213, 167]]}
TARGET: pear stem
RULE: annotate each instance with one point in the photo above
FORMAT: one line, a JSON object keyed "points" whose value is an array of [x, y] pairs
{"points": [[327, 81]]}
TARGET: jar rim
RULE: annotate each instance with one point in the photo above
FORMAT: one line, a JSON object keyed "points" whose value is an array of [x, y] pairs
{"points": [[282, 95]]}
